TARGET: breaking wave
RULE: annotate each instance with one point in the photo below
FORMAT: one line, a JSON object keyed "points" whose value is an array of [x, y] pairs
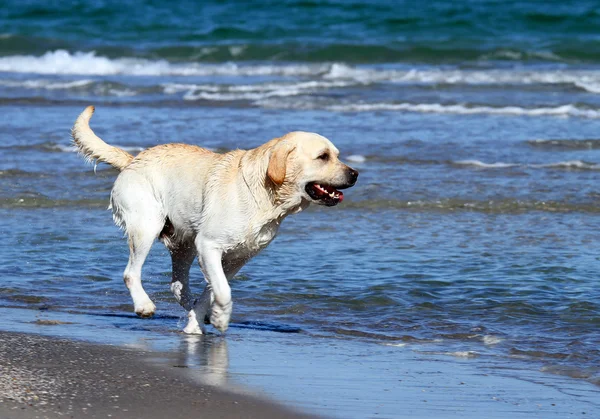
{"points": [[63, 62], [88, 63]]}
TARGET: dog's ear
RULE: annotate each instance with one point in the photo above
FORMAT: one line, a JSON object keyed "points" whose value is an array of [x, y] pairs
{"points": [[278, 161]]}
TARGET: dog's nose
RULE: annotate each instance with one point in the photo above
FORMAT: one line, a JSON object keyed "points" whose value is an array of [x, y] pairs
{"points": [[353, 176]]}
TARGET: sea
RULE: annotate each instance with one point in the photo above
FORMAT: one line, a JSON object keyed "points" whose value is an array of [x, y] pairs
{"points": [[473, 230]]}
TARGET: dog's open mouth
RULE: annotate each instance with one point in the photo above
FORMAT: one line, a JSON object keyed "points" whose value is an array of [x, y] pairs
{"points": [[324, 194]]}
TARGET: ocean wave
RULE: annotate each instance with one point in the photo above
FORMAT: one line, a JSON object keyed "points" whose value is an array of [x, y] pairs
{"points": [[565, 144], [461, 354], [588, 80], [477, 163], [491, 340], [88, 63], [460, 109], [569, 165], [68, 148], [499, 206], [46, 84], [63, 62], [252, 92], [190, 91], [85, 86], [53, 147]]}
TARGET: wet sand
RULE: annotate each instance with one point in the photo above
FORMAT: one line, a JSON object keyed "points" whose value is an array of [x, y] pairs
{"points": [[84, 361], [44, 377]]}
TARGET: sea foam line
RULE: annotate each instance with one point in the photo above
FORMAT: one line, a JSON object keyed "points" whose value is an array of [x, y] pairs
{"points": [[88, 63], [563, 110], [46, 84], [587, 80], [477, 163], [253, 92], [567, 144], [569, 164]]}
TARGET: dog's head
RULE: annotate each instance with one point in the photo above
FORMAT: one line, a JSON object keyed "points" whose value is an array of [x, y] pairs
{"points": [[306, 165]]}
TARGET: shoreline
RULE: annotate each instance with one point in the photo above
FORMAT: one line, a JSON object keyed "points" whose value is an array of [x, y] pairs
{"points": [[53, 377], [260, 368]]}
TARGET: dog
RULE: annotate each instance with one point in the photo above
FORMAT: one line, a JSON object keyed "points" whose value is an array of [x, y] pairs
{"points": [[221, 208]]}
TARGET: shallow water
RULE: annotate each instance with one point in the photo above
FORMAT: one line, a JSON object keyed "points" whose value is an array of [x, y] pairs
{"points": [[332, 377], [495, 261], [472, 229]]}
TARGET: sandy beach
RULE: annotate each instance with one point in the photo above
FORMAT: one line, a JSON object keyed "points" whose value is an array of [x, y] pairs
{"points": [[55, 378], [137, 372]]}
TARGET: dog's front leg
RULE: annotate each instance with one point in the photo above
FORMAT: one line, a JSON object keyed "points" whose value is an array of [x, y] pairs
{"points": [[230, 268], [210, 257]]}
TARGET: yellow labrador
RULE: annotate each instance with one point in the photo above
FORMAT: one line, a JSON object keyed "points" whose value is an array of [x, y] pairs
{"points": [[222, 208]]}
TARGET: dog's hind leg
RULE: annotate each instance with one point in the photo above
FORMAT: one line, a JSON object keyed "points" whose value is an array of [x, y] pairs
{"points": [[141, 238], [182, 256], [137, 211]]}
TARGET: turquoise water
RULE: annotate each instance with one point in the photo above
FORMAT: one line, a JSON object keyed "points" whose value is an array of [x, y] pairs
{"points": [[299, 30], [475, 126]]}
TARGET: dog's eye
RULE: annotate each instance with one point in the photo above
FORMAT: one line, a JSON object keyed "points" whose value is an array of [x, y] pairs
{"points": [[323, 156]]}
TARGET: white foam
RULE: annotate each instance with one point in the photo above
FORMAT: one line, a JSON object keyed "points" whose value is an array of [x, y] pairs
{"points": [[584, 79], [590, 86], [254, 92], [564, 110], [45, 84], [518, 56], [463, 354], [88, 63], [356, 158], [491, 340], [477, 163], [570, 164], [122, 93]]}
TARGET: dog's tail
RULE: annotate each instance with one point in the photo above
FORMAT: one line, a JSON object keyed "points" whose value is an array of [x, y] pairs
{"points": [[92, 148]]}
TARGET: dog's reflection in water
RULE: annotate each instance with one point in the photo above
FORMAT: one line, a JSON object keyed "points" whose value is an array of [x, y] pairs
{"points": [[207, 356]]}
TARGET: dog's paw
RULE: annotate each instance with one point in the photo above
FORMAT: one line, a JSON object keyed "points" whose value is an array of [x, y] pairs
{"points": [[192, 327], [220, 315], [146, 309]]}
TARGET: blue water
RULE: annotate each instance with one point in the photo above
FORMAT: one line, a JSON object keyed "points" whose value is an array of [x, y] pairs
{"points": [[475, 126]]}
